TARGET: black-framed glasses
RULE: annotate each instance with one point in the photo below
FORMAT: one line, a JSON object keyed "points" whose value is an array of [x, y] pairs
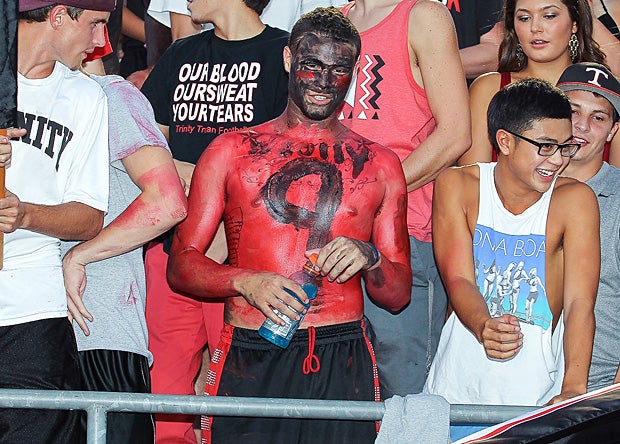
{"points": [[548, 149]]}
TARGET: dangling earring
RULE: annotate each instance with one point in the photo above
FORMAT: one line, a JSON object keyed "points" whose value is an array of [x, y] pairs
{"points": [[573, 47], [520, 54]]}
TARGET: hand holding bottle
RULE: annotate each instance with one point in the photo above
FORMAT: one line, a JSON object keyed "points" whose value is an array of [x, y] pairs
{"points": [[264, 290], [280, 333]]}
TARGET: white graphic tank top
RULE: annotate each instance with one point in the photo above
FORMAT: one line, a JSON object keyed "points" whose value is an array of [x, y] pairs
{"points": [[509, 264]]}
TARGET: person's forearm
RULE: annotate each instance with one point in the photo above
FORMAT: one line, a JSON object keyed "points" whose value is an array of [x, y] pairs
{"points": [[185, 170], [389, 285], [94, 67], [133, 26], [145, 218], [439, 151], [218, 250], [181, 25], [479, 59], [469, 306], [483, 57], [578, 338], [68, 221], [190, 271]]}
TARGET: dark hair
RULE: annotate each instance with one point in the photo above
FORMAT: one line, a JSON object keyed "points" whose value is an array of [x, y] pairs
{"points": [[41, 14], [256, 5], [588, 50], [325, 22], [520, 104]]}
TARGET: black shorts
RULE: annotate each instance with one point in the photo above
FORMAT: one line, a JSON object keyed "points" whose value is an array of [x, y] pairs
{"points": [[39, 355], [119, 371], [334, 362]]}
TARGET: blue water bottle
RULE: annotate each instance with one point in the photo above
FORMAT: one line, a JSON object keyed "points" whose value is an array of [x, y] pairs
{"points": [[281, 335]]}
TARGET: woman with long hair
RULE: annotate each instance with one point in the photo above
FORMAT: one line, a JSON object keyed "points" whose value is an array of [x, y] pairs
{"points": [[541, 39]]}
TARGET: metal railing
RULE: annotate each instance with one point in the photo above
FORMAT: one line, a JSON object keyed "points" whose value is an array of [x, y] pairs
{"points": [[98, 404]]}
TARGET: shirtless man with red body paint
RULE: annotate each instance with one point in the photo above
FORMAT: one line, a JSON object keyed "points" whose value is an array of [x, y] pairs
{"points": [[299, 183]]}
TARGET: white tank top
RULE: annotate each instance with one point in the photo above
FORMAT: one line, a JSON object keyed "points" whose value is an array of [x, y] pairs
{"points": [[509, 261]]}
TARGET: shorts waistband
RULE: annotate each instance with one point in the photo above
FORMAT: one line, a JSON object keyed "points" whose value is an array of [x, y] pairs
{"points": [[323, 335]]}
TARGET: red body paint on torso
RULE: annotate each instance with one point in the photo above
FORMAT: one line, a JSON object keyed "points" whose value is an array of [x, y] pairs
{"points": [[286, 195]]}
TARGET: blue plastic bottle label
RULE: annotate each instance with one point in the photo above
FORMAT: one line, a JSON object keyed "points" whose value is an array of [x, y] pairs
{"points": [[281, 335]]}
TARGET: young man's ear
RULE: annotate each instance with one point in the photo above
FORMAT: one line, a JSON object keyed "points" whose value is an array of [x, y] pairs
{"points": [[504, 140], [614, 130], [57, 15], [288, 57]]}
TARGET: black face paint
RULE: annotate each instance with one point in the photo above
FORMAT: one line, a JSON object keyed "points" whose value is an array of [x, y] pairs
{"points": [[321, 71]]}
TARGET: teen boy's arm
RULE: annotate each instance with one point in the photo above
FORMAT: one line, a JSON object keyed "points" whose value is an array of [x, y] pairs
{"points": [[455, 208], [579, 210]]}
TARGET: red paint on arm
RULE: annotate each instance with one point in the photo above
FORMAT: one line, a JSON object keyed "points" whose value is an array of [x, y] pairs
{"points": [[189, 270], [162, 199], [390, 283]]}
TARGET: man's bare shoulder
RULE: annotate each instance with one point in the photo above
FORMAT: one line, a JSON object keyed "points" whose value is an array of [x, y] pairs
{"points": [[487, 84], [224, 148], [571, 198], [459, 176], [456, 192], [569, 190], [458, 185]]}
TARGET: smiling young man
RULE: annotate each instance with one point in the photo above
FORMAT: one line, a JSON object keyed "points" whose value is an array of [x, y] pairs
{"points": [[517, 211], [222, 80], [594, 94], [302, 182], [57, 188]]}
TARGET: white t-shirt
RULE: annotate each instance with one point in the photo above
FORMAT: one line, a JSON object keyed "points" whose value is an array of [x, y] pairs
{"points": [[63, 158], [278, 13]]}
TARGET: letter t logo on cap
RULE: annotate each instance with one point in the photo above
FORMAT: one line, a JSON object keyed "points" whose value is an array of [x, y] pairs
{"points": [[597, 72]]}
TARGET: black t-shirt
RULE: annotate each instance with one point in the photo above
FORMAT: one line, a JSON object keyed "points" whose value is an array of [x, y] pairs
{"points": [[473, 18], [204, 86]]}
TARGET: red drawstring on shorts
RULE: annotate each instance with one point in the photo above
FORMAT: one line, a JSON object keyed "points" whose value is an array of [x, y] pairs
{"points": [[311, 362]]}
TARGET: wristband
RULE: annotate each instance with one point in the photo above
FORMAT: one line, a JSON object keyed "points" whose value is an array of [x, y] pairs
{"points": [[376, 257]]}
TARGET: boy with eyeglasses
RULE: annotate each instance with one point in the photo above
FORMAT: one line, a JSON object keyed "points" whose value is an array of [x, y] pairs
{"points": [[517, 210]]}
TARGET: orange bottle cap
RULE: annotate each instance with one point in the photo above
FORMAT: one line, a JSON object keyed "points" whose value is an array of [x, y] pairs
{"points": [[311, 264]]}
